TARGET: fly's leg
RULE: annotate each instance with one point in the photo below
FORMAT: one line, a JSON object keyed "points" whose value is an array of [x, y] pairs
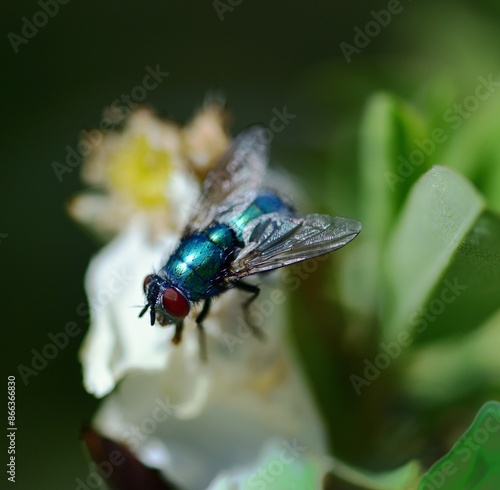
{"points": [[176, 339], [254, 290], [199, 323]]}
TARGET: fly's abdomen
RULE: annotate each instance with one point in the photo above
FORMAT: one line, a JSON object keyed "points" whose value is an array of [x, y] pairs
{"points": [[261, 205], [199, 260]]}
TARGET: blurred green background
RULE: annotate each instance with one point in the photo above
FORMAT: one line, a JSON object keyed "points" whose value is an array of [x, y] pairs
{"points": [[262, 56]]}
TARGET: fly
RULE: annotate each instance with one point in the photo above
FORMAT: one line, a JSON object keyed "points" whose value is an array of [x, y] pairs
{"points": [[239, 228]]}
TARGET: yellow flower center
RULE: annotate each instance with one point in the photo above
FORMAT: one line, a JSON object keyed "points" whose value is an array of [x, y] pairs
{"points": [[139, 172]]}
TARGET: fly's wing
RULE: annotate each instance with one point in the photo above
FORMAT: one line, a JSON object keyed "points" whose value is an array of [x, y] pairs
{"points": [[278, 241], [240, 170]]}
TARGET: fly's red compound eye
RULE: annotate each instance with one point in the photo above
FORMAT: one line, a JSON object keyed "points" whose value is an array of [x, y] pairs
{"points": [[175, 303], [147, 281]]}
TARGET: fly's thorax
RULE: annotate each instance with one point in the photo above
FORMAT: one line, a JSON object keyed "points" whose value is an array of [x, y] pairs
{"points": [[198, 263], [221, 235]]}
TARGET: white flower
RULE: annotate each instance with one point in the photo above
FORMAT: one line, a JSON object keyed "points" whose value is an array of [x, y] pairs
{"points": [[143, 170], [195, 418], [191, 419]]}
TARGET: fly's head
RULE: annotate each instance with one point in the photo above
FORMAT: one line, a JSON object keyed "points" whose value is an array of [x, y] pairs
{"points": [[166, 303]]}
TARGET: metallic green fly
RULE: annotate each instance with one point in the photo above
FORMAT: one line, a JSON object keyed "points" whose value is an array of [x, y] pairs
{"points": [[240, 228]]}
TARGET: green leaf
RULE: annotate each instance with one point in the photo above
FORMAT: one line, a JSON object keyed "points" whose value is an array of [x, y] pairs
{"points": [[404, 478], [276, 469], [443, 371], [469, 291], [443, 260], [388, 133], [295, 476], [474, 461], [474, 148], [387, 139]]}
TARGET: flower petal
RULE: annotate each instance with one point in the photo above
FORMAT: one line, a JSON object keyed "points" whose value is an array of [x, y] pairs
{"points": [[118, 340], [190, 418]]}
